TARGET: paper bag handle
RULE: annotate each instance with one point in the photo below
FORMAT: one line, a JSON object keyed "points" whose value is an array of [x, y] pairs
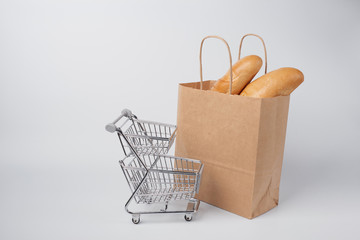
{"points": [[251, 34], [201, 73]]}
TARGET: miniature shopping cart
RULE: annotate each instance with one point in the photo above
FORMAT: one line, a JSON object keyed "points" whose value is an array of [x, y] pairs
{"points": [[156, 179]]}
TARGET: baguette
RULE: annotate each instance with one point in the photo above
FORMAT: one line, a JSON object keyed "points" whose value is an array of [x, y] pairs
{"points": [[243, 72], [280, 82]]}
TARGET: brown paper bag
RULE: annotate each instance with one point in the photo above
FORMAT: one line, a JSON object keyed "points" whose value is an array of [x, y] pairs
{"points": [[239, 139]]}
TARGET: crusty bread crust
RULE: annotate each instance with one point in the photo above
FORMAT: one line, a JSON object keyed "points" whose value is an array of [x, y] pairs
{"points": [[280, 82], [243, 72]]}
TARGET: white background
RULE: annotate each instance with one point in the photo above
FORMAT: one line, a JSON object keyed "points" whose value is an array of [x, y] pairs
{"points": [[69, 67]]}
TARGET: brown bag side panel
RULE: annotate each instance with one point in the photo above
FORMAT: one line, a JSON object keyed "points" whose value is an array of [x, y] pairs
{"points": [[273, 122], [218, 128], [227, 189], [221, 131]]}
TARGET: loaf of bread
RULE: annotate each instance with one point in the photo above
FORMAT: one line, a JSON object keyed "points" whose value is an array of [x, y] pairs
{"points": [[280, 82], [244, 70]]}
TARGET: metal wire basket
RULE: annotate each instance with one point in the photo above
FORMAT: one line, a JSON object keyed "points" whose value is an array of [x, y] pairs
{"points": [[144, 137], [154, 177], [151, 137], [168, 177]]}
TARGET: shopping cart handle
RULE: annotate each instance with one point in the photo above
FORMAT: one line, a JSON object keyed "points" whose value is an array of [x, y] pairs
{"points": [[111, 127]]}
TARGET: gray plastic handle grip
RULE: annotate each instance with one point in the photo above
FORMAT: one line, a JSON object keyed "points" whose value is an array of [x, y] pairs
{"points": [[111, 127]]}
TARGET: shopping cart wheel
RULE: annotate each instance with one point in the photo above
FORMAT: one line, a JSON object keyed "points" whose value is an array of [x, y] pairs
{"points": [[188, 218], [135, 219]]}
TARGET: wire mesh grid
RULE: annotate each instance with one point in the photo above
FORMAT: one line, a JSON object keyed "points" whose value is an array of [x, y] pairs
{"points": [[152, 137], [168, 177]]}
